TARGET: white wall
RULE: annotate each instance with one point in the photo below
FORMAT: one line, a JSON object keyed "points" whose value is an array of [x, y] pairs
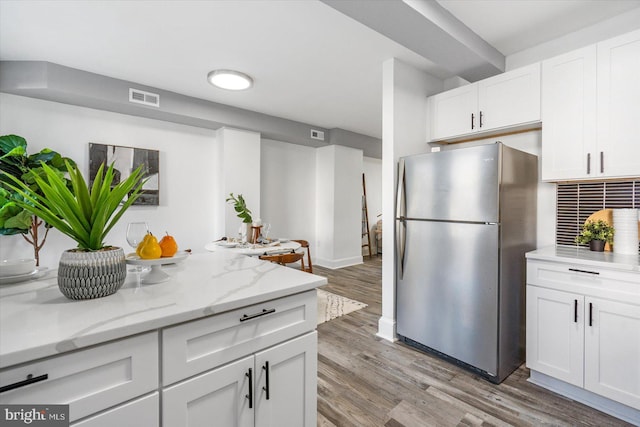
{"points": [[288, 186], [186, 175], [404, 132]]}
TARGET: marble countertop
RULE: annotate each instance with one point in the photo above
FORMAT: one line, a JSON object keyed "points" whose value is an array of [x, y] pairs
{"points": [[36, 320], [586, 257]]}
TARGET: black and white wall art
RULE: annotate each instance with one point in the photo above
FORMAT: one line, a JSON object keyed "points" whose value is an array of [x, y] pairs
{"points": [[126, 160]]}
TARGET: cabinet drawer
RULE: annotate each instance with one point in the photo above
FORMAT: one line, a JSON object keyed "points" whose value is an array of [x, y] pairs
{"points": [[601, 282], [143, 412], [88, 380], [197, 346]]}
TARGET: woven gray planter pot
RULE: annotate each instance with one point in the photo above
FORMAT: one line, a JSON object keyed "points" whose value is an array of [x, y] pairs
{"points": [[87, 275]]}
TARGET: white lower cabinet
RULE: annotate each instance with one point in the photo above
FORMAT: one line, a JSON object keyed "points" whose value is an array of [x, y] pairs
{"points": [[275, 387], [143, 412], [583, 328], [612, 350]]}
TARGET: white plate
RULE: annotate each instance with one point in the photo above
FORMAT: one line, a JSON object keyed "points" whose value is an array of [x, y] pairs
{"points": [[18, 278], [282, 240], [136, 260], [227, 244]]}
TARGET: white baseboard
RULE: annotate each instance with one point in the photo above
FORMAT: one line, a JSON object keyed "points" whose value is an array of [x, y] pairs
{"points": [[387, 329], [338, 263], [602, 404]]}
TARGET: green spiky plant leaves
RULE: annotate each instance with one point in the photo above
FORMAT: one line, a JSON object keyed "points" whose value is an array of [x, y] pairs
{"points": [[82, 213], [240, 206]]}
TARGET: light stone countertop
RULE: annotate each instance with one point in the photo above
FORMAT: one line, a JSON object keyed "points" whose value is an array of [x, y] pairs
{"points": [[584, 256], [36, 320]]}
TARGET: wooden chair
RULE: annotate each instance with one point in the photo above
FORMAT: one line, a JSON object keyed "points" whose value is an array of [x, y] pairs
{"points": [[284, 259], [305, 245]]}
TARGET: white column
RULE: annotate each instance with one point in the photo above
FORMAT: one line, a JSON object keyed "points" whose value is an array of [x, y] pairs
{"points": [[338, 206], [239, 174], [404, 132]]}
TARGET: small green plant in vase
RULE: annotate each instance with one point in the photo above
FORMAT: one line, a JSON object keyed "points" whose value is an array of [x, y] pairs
{"points": [[596, 234], [240, 206]]}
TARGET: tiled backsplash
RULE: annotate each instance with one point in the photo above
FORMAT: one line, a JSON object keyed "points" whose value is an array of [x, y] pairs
{"points": [[576, 201]]}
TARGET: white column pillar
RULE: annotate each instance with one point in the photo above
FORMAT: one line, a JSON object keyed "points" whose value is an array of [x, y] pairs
{"points": [[404, 132], [338, 206], [239, 174]]}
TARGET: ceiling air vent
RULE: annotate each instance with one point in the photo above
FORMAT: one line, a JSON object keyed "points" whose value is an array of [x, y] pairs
{"points": [[317, 134], [146, 98]]}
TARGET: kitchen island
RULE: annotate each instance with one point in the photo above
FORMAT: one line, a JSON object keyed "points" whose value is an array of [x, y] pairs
{"points": [[583, 327], [206, 340]]}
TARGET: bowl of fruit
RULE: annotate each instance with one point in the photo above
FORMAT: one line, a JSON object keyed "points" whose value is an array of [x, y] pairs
{"points": [[153, 253]]}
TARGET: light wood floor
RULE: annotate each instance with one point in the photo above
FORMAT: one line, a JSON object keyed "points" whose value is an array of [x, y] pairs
{"points": [[366, 381]]}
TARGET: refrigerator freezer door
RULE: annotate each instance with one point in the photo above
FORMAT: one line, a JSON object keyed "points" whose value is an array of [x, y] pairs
{"points": [[453, 185], [448, 296]]}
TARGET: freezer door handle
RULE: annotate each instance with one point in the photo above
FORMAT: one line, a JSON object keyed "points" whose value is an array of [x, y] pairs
{"points": [[401, 234]]}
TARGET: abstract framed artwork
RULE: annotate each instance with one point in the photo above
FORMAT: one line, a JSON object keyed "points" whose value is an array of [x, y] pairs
{"points": [[126, 160]]}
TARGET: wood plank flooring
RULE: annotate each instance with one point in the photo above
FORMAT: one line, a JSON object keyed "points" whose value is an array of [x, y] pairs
{"points": [[366, 381]]}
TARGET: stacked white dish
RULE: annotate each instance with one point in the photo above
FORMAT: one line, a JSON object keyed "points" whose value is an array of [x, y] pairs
{"points": [[16, 270], [625, 223]]}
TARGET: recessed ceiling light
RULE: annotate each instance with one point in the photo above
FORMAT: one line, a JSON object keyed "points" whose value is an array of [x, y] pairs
{"points": [[230, 79]]}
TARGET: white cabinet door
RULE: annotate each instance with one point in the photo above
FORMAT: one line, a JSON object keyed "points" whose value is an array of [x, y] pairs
{"points": [[220, 397], [619, 106], [612, 350], [569, 115], [555, 334], [286, 384], [454, 112], [509, 99]]}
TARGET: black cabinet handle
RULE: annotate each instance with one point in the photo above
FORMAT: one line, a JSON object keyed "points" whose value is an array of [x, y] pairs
{"points": [[590, 314], [575, 311], [472, 118], [584, 271], [266, 387], [30, 380], [250, 395], [602, 162], [480, 118], [588, 163], [264, 312]]}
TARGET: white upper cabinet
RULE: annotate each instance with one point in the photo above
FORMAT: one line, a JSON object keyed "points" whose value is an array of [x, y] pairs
{"points": [[591, 113], [619, 106], [507, 100], [454, 112], [569, 115]]}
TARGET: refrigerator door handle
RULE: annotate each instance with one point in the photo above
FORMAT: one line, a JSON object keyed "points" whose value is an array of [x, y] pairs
{"points": [[401, 203], [401, 234]]}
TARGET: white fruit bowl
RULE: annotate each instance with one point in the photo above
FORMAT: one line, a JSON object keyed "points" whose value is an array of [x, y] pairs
{"points": [[16, 267]]}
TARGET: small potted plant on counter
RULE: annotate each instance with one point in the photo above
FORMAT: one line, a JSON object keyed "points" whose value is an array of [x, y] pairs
{"points": [[93, 269], [596, 234]]}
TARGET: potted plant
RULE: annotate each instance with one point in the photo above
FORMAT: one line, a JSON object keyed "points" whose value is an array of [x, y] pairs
{"points": [[596, 234], [240, 206], [93, 269], [15, 161]]}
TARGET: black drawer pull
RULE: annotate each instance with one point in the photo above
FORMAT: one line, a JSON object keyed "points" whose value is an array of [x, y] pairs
{"points": [[30, 380], [250, 395], [264, 312], [575, 311], [266, 387], [584, 271], [590, 314]]}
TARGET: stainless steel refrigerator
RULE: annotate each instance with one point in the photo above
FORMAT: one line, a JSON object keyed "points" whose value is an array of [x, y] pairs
{"points": [[465, 218]]}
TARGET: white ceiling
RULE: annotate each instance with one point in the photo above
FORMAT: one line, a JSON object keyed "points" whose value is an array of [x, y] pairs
{"points": [[310, 63]]}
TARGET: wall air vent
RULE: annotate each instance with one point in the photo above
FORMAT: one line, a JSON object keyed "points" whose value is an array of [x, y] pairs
{"points": [[146, 98], [317, 134]]}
